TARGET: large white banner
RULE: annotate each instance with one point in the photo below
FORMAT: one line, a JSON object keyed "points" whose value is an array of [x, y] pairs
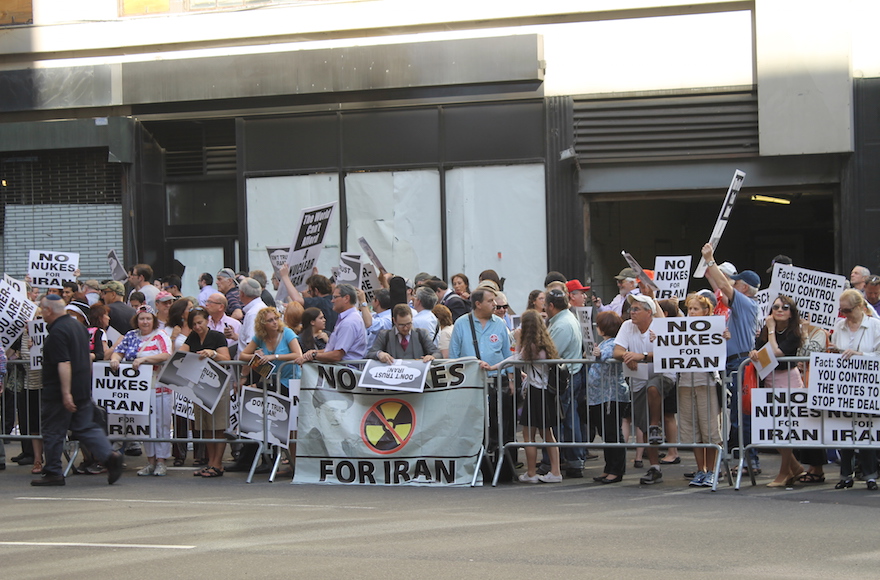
{"points": [[692, 344], [816, 293], [49, 269], [838, 384], [351, 435]]}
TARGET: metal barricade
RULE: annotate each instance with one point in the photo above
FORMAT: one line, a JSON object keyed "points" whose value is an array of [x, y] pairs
{"points": [[786, 422], [575, 420]]}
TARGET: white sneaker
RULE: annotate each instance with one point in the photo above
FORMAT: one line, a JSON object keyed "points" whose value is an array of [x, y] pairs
{"points": [[160, 469], [550, 478], [147, 469], [526, 478]]}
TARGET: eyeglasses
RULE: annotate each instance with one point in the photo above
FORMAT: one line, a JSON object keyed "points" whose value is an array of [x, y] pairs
{"points": [[846, 310], [783, 307], [212, 302], [499, 307], [404, 325]]}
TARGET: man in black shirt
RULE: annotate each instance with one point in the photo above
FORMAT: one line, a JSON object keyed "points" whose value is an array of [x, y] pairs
{"points": [[65, 398]]}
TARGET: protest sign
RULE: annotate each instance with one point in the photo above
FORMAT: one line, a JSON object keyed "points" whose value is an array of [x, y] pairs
{"points": [[37, 332], [816, 293], [125, 390], [368, 250], [349, 271], [782, 416], [584, 315], [307, 243], [640, 273], [278, 256], [671, 275], [843, 427], [117, 271], [234, 411], [17, 285], [723, 217], [401, 375], [764, 303], [277, 413], [348, 434], [49, 269], [15, 311], [128, 426], [369, 282], [183, 407], [689, 345], [199, 380], [838, 384]]}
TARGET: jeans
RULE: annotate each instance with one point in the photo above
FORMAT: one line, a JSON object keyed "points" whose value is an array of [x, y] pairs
{"points": [[735, 423], [56, 421]]}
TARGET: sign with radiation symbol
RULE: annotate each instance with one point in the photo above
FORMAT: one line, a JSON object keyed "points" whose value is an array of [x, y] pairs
{"points": [[388, 425]]}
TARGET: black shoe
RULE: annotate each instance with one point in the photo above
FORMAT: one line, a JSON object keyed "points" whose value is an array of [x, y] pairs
{"points": [[872, 485], [574, 473], [653, 476], [590, 457], [616, 479], [237, 467], [17, 458], [48, 480], [24, 460], [542, 469], [843, 484], [262, 468], [2, 466], [134, 452], [114, 465]]}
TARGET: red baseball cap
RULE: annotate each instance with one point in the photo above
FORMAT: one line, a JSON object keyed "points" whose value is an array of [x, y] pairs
{"points": [[574, 285]]}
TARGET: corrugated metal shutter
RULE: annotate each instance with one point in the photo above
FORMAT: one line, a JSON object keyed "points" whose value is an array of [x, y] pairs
{"points": [[196, 148], [699, 126]]}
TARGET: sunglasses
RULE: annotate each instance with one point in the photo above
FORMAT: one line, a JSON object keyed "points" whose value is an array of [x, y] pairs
{"points": [[846, 310], [782, 307], [505, 307]]}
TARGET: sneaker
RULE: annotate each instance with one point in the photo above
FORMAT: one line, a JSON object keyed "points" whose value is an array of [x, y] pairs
{"points": [[653, 476], [709, 480], [698, 479], [160, 469], [526, 478], [550, 478], [147, 469], [655, 434]]}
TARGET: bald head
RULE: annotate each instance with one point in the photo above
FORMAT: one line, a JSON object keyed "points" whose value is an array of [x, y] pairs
{"points": [[216, 305]]}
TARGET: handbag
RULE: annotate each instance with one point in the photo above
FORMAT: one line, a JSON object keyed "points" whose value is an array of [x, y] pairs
{"points": [[750, 381]]}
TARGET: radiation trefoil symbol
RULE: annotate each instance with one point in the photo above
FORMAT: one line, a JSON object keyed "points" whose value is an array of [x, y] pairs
{"points": [[388, 425]]}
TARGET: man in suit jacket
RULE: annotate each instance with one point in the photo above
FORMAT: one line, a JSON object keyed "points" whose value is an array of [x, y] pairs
{"points": [[455, 303], [402, 340]]}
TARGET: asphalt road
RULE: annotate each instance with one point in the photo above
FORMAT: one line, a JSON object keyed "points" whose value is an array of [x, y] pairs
{"points": [[183, 527]]}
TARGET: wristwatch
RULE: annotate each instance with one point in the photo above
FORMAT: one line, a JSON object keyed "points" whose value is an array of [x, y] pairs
{"points": [[645, 354], [364, 304], [710, 263]]}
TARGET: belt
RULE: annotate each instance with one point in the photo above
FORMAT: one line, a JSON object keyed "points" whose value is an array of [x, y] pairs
{"points": [[739, 355]]}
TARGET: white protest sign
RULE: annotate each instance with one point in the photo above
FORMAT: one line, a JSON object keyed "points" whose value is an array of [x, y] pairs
{"points": [[15, 311], [125, 390], [308, 243], [117, 271], [640, 273], [278, 256], [234, 411], [17, 285], [764, 303], [37, 332], [584, 315], [349, 271], [838, 384], [723, 217], [816, 293], [49, 269], [671, 275], [401, 375], [782, 415], [368, 250], [128, 426], [199, 380], [277, 412], [183, 407], [369, 281], [851, 428], [692, 344]]}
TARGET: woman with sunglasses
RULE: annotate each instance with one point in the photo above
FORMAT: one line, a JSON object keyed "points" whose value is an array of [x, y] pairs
{"points": [[782, 331], [857, 334]]}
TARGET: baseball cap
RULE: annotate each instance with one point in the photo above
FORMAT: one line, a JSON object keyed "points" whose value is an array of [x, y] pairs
{"points": [[727, 269], [644, 299], [575, 285], [626, 273], [93, 284], [780, 259], [114, 286], [164, 296], [749, 277]]}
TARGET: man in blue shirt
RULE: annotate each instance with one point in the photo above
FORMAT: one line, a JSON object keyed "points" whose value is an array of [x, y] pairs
{"points": [[737, 293]]}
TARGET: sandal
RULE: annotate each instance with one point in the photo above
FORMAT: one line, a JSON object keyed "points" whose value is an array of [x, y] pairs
{"points": [[178, 462], [38, 467], [212, 472], [811, 478], [200, 472]]}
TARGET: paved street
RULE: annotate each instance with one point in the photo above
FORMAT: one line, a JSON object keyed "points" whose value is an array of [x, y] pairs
{"points": [[183, 527]]}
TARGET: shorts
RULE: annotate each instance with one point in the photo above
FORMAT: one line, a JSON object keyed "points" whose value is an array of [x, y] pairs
{"points": [[539, 409], [640, 400]]}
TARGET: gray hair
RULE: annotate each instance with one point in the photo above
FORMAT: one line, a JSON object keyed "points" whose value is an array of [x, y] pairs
{"points": [[259, 276], [348, 290], [427, 297], [250, 288], [57, 306]]}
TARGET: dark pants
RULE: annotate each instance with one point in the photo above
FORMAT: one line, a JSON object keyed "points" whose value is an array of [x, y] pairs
{"points": [[57, 421], [606, 419], [867, 460]]}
